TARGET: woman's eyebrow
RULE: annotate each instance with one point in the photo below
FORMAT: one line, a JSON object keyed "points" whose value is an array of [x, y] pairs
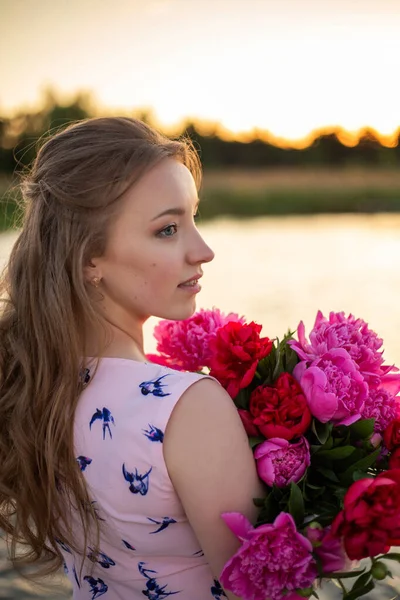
{"points": [[174, 211], [171, 211]]}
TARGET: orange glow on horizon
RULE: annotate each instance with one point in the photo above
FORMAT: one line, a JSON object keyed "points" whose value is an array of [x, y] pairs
{"points": [[349, 138], [345, 137]]}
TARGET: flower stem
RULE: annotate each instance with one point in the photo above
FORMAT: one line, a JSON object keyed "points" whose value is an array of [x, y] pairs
{"points": [[340, 582]]}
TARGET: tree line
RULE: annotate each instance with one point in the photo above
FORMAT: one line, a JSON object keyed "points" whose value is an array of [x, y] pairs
{"points": [[19, 136]]}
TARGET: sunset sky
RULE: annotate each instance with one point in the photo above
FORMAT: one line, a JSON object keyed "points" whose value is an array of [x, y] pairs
{"points": [[287, 66]]}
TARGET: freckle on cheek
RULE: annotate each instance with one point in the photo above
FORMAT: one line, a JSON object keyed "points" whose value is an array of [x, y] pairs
{"points": [[154, 265]]}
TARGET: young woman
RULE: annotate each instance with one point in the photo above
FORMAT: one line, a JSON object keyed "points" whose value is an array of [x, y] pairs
{"points": [[115, 466]]}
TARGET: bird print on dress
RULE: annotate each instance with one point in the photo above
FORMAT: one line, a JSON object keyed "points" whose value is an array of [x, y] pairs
{"points": [[106, 417], [154, 434], [100, 558], [97, 586], [217, 591], [84, 376], [153, 590], [139, 484], [63, 546], [163, 524], [128, 545], [76, 577], [154, 387], [83, 462]]}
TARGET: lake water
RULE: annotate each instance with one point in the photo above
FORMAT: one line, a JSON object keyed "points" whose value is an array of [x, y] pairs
{"points": [[278, 271]]}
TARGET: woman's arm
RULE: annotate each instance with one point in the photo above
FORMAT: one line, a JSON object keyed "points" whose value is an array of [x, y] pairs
{"points": [[211, 466]]}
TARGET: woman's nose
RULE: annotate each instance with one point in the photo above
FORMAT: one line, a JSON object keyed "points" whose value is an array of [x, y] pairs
{"points": [[200, 252]]}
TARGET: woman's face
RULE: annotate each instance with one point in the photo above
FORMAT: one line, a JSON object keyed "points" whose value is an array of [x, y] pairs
{"points": [[154, 248]]}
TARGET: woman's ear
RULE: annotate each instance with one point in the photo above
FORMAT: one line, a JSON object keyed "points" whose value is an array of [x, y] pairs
{"points": [[92, 272]]}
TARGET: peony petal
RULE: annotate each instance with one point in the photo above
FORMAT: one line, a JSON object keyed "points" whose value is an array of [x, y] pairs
{"points": [[271, 444], [299, 370], [391, 383], [349, 420], [238, 524], [266, 471], [356, 489], [319, 319], [285, 519], [248, 376], [322, 405], [301, 334]]}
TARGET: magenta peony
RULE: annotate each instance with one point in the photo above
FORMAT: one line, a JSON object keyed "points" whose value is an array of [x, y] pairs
{"points": [[164, 361], [274, 559], [184, 345], [280, 462], [349, 333], [382, 406], [334, 387], [327, 548]]}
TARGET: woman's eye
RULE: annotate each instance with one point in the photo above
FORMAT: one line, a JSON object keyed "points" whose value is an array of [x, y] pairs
{"points": [[168, 231]]}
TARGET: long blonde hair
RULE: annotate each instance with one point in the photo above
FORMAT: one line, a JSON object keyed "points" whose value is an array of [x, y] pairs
{"points": [[70, 197]]}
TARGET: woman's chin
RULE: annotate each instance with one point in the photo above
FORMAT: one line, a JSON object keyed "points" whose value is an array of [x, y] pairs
{"points": [[179, 314]]}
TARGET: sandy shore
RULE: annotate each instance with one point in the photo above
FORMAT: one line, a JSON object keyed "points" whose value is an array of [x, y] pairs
{"points": [[14, 586]]}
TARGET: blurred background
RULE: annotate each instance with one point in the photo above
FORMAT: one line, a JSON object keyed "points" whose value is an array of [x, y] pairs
{"points": [[294, 108]]}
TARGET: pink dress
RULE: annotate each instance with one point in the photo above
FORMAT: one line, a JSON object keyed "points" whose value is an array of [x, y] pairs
{"points": [[148, 548]]}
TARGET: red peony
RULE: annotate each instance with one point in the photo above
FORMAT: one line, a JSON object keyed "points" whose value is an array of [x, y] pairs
{"points": [[394, 460], [280, 411], [247, 420], [370, 520], [235, 352], [391, 435]]}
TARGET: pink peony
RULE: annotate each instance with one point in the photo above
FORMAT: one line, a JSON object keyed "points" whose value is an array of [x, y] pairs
{"points": [[382, 406], [274, 559], [279, 462], [185, 344], [164, 361], [327, 548], [349, 333], [334, 387]]}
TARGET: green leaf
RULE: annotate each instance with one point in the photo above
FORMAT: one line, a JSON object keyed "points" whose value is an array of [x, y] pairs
{"points": [[259, 502], [315, 487], [362, 475], [362, 580], [362, 429], [296, 504], [391, 556], [242, 400], [360, 465], [254, 441], [266, 367], [343, 574], [321, 430], [360, 591], [270, 510], [328, 473], [336, 453], [290, 358], [279, 364]]}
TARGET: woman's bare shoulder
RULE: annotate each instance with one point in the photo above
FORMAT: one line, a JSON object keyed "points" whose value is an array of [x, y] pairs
{"points": [[211, 466]]}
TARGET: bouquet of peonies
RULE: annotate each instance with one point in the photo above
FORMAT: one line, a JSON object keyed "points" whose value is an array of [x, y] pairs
{"points": [[323, 419]]}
